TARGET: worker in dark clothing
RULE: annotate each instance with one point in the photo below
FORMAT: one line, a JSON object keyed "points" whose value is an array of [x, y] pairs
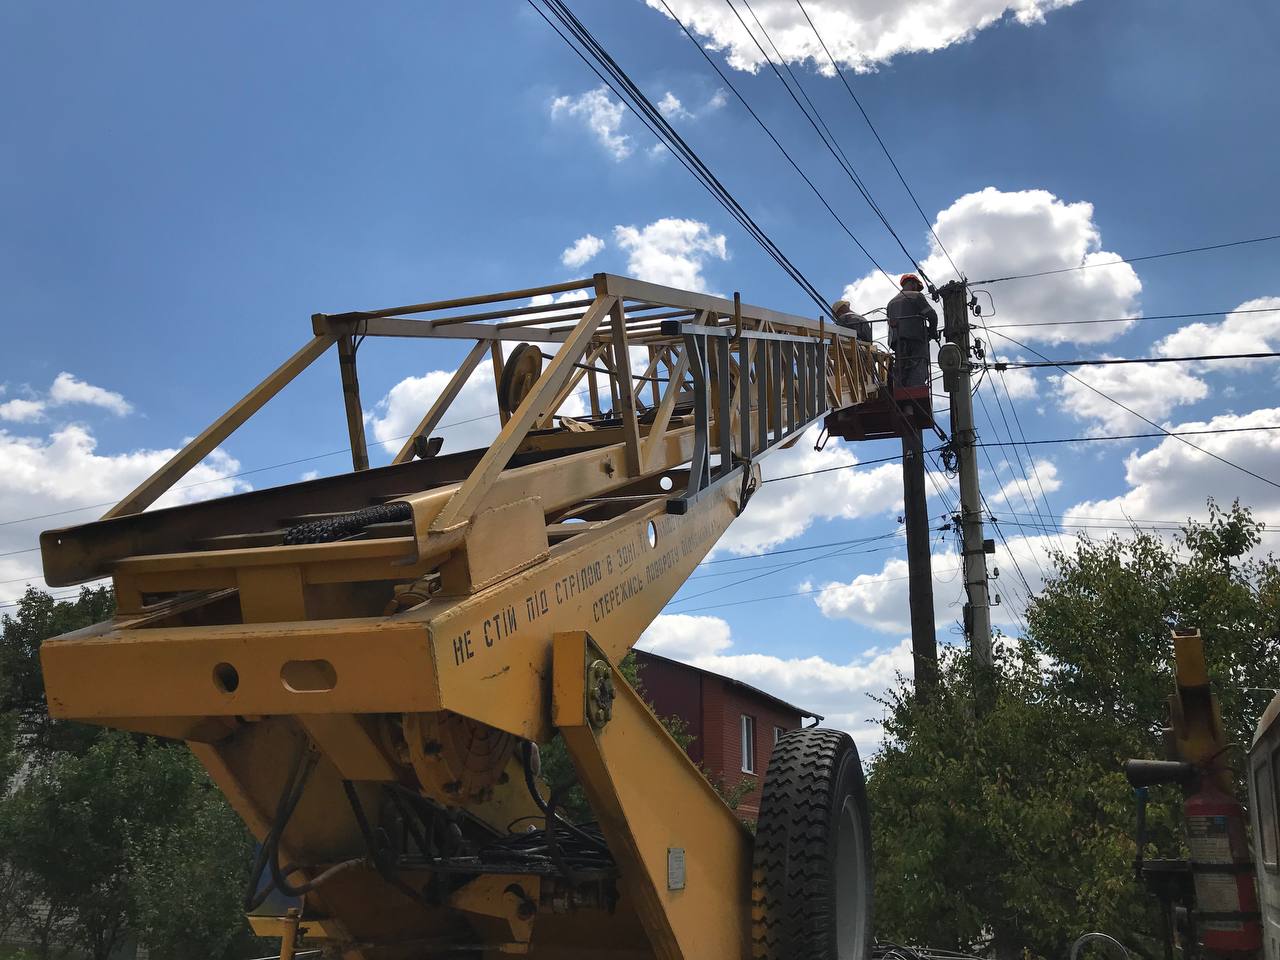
{"points": [[912, 324], [845, 317]]}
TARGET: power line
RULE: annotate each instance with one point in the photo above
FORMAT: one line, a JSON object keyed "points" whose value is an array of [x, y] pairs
{"points": [[657, 124], [832, 145], [776, 142], [817, 546], [1146, 420], [1154, 316], [802, 593], [1074, 517], [1129, 436], [772, 571], [1029, 365], [858, 103], [843, 466], [1112, 263]]}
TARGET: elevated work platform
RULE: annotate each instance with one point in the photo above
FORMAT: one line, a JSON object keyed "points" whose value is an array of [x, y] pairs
{"points": [[880, 417]]}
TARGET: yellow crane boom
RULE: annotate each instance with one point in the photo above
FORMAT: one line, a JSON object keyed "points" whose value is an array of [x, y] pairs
{"points": [[364, 663]]}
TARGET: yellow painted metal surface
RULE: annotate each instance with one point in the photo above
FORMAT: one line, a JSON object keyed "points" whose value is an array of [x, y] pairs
{"points": [[655, 807]]}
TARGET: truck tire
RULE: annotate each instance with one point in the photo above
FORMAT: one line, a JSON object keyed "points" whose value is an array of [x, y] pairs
{"points": [[811, 872]]}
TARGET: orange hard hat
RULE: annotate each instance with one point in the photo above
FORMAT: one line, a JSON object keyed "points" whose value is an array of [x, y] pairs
{"points": [[902, 281]]}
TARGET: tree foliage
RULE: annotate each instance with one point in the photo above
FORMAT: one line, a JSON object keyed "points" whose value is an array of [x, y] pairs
{"points": [[107, 837], [1010, 827]]}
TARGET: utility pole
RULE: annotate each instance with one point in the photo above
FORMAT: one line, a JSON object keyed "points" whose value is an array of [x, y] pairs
{"points": [[953, 359], [915, 513]]}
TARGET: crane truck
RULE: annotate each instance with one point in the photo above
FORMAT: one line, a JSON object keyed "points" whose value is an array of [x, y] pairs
{"points": [[367, 663]]}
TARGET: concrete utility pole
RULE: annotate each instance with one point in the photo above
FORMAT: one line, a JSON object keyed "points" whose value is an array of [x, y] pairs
{"points": [[915, 514], [953, 359]]}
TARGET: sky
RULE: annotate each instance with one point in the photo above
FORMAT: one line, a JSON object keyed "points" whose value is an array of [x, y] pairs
{"points": [[182, 186]]}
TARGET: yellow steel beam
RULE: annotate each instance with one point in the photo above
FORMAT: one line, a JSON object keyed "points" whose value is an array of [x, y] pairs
{"points": [[446, 397], [463, 503], [159, 482], [684, 859]]}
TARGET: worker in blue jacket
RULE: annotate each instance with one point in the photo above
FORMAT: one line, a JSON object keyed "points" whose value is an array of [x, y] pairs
{"points": [[912, 324]]}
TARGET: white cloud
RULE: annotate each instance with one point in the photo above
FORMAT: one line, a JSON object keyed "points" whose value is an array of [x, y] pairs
{"points": [[1151, 389], [718, 100], [839, 691], [1238, 332], [784, 510], [1044, 477], [602, 115], [992, 233], [1021, 383], [861, 34], [471, 421], [581, 250], [18, 410], [67, 389], [64, 471], [671, 107], [682, 636], [879, 600], [671, 251], [1171, 481]]}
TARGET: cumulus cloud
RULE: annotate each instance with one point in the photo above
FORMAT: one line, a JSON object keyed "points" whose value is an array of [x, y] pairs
{"points": [[839, 691], [67, 389], [581, 250], [879, 600], [18, 410], [993, 233], [470, 423], [861, 34], [64, 472], [1151, 389], [1172, 480], [671, 107], [601, 114], [1044, 474], [1021, 383], [1241, 331], [671, 251], [784, 510]]}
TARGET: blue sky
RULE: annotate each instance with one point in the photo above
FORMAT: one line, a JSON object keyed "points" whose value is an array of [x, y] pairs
{"points": [[182, 186]]}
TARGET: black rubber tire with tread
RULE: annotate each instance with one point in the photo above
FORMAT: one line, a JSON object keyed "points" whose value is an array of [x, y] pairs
{"points": [[794, 910]]}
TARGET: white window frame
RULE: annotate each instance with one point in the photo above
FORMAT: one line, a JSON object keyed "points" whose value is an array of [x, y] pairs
{"points": [[778, 732], [747, 728]]}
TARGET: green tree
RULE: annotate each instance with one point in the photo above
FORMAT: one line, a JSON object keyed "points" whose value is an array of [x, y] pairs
{"points": [[1011, 827], [22, 697], [106, 836]]}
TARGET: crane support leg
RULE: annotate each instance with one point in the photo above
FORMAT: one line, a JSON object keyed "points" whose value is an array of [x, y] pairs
{"points": [[684, 857]]}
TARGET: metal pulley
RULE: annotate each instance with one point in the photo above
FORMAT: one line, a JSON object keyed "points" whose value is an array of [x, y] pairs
{"points": [[519, 374]]}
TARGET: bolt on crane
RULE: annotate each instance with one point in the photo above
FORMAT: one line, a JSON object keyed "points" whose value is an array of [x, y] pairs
{"points": [[366, 663]]}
